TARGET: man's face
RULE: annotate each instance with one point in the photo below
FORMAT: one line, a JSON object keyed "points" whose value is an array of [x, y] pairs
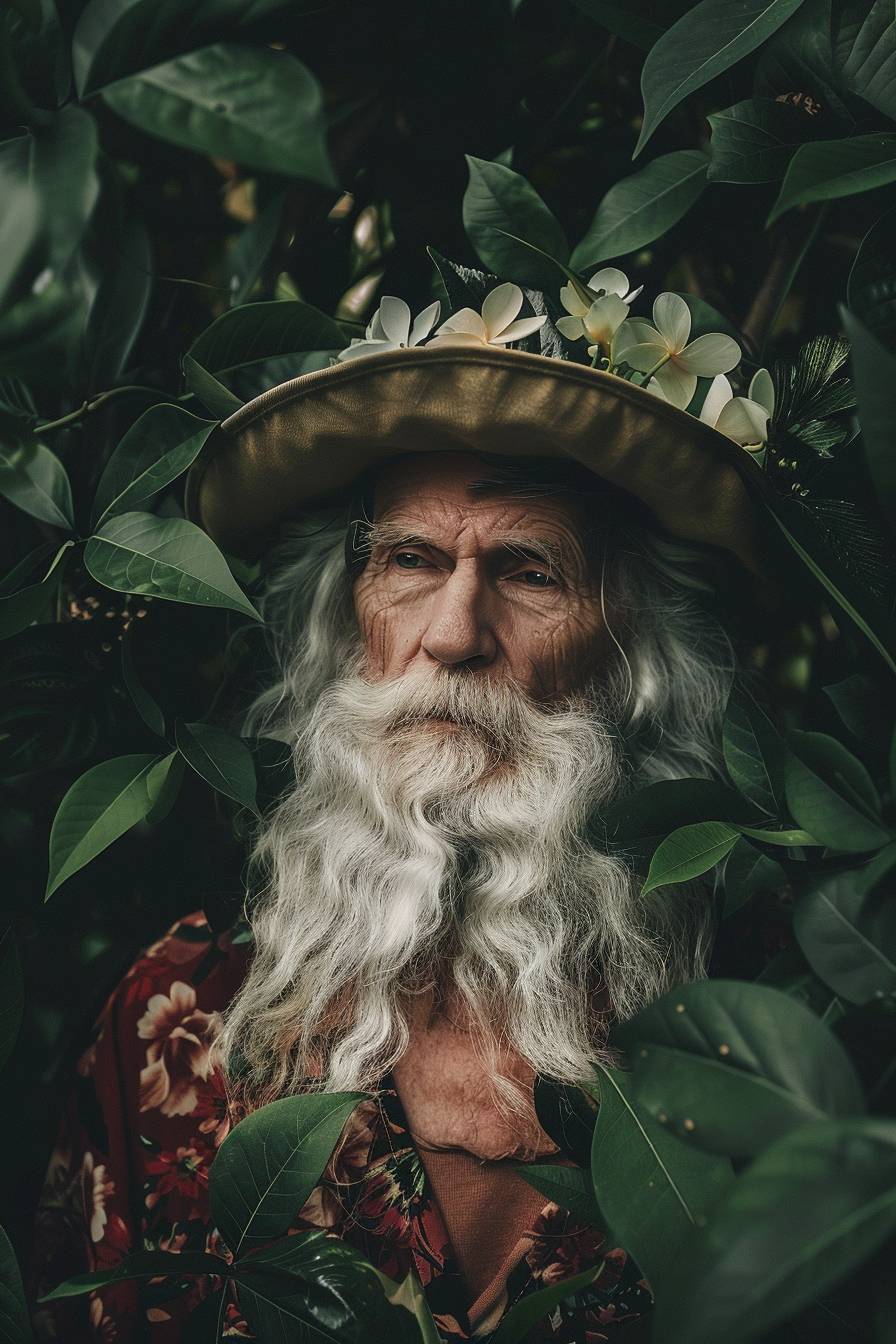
{"points": [[493, 583]]}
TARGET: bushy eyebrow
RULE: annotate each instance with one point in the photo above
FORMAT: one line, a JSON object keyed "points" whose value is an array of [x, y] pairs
{"points": [[387, 535]]}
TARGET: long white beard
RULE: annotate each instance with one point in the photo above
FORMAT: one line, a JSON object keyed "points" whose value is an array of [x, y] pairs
{"points": [[437, 834]]}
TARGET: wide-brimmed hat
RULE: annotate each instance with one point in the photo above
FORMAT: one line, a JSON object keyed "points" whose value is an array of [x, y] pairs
{"points": [[306, 442]]}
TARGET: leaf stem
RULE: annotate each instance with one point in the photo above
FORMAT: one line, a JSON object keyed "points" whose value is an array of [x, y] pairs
{"points": [[92, 404]]}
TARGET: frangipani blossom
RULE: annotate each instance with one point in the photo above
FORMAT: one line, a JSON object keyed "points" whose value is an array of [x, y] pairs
{"points": [[744, 419], [600, 319], [390, 328], [664, 351], [494, 326]]}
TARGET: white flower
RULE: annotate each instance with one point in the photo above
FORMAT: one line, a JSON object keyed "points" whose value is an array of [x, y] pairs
{"points": [[495, 325], [743, 419], [602, 317], [663, 350], [390, 329]]}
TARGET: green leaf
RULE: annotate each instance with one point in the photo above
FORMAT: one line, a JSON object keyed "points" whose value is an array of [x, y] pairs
{"points": [[19, 226], [220, 758], [831, 795], [829, 169], [755, 754], [847, 931], [730, 1066], [748, 871], [57, 160], [570, 1187], [636, 21], [120, 305], [156, 449], [409, 1294], [871, 287], [787, 839], [99, 807], [688, 852], [641, 208], [145, 705], [164, 557], [568, 1115], [499, 203], [864, 52], [12, 989], [142, 1265], [170, 771], [253, 247], [654, 1191], [663, 806], [33, 478], [856, 700], [269, 1164], [523, 1316], [262, 330], [754, 141], [807, 1212], [15, 1322], [705, 42], [214, 395], [258, 106], [874, 370], [33, 603]]}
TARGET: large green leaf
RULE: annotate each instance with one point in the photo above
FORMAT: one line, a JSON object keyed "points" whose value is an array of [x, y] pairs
{"points": [[871, 287], [641, 208], [34, 602], [164, 557], [498, 204], [874, 370], [15, 1318], [19, 227], [755, 753], [261, 107], [409, 1294], [213, 394], [754, 140], [654, 1191], [748, 871], [12, 1000], [864, 51], [221, 758], [262, 330], [114, 38], [99, 807], [269, 1164], [705, 42], [807, 1212], [831, 795], [730, 1065], [142, 1265], [847, 930], [570, 1187], [57, 160], [689, 852], [153, 453], [829, 169], [33, 478], [517, 1325], [120, 305]]}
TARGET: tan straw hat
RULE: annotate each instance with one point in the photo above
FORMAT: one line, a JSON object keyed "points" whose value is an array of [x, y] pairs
{"points": [[306, 441]]}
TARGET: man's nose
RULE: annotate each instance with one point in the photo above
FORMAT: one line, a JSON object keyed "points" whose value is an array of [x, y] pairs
{"points": [[459, 628]]}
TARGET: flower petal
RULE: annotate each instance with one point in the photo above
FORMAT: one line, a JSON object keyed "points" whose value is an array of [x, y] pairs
{"points": [[572, 327], [630, 298], [500, 307], [632, 331], [653, 386], [465, 320], [611, 280], [710, 354], [642, 356], [424, 323], [517, 330], [365, 348], [678, 386], [571, 301], [604, 318], [719, 394], [395, 317], [672, 318], [762, 389], [743, 420], [455, 338]]}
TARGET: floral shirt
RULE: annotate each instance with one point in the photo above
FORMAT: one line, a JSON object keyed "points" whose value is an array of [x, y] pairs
{"points": [[130, 1171]]}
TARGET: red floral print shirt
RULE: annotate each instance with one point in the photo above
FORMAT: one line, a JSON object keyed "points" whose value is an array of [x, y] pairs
{"points": [[130, 1171]]}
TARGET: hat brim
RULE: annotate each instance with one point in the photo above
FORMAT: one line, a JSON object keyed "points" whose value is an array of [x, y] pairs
{"points": [[306, 441]]}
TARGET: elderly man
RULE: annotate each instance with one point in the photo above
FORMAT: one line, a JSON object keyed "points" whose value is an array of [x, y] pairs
{"points": [[482, 643]]}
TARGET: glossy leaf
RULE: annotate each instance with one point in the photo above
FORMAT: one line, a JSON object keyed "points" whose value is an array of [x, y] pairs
{"points": [[856, 700], [748, 871], [58, 160], [33, 603], [864, 51], [829, 169], [33, 478], [263, 330], [221, 758], [847, 930], [15, 1317], [171, 772], [142, 1265], [754, 140], [705, 42], [755, 754], [12, 990], [269, 1164], [641, 208], [730, 1066], [260, 107], [570, 1187], [120, 304], [786, 838], [252, 249], [499, 203], [19, 226], [156, 449], [831, 795], [874, 370], [99, 807], [689, 852], [214, 395], [871, 287], [164, 557], [409, 1294], [653, 1190], [807, 1212], [518, 1323], [145, 705], [667, 804]]}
